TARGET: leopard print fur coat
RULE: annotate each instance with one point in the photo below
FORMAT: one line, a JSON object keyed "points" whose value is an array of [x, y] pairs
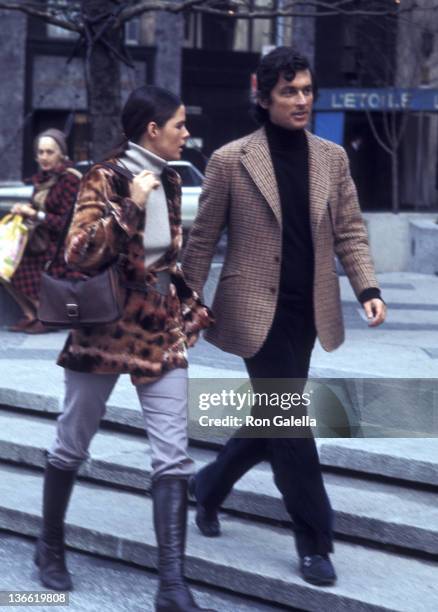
{"points": [[154, 331]]}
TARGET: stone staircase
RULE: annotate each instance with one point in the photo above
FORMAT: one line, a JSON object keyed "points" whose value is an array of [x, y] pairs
{"points": [[384, 494]]}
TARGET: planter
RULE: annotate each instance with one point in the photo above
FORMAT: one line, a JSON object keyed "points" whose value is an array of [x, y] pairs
{"points": [[423, 237]]}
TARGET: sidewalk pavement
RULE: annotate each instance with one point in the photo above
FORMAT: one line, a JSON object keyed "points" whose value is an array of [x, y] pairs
{"points": [[405, 346]]}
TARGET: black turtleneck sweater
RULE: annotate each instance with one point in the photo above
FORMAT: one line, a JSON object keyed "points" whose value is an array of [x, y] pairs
{"points": [[290, 157]]}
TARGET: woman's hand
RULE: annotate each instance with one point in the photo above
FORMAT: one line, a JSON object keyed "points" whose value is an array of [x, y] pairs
{"points": [[24, 209], [142, 185], [78, 244]]}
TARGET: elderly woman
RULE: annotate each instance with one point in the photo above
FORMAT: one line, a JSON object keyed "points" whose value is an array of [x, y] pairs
{"points": [[55, 190], [141, 219]]}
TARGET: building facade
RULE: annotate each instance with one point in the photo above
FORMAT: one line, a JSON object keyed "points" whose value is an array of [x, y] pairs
{"points": [[380, 96], [364, 69]]}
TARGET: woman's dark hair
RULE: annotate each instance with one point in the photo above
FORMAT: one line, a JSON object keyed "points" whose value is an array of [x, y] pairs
{"points": [[282, 61], [145, 104]]}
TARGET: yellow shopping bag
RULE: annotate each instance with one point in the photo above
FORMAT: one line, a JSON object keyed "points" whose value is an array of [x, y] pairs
{"points": [[13, 239]]}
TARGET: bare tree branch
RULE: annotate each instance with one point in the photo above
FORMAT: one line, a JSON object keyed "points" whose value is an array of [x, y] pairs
{"points": [[233, 9], [156, 5], [402, 128], [393, 125], [293, 9], [47, 15], [369, 115], [386, 125]]}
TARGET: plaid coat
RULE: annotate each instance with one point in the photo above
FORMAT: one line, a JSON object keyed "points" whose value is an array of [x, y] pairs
{"points": [[240, 193], [154, 331], [57, 206]]}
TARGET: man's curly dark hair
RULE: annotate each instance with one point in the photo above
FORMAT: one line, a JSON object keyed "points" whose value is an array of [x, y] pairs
{"points": [[282, 61]]}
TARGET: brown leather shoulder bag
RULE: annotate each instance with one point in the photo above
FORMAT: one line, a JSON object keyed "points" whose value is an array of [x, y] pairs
{"points": [[95, 300]]}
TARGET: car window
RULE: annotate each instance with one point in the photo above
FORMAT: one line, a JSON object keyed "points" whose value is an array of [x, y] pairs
{"points": [[15, 191], [188, 176]]}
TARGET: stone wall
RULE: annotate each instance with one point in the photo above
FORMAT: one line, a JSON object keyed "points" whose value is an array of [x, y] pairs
{"points": [[303, 36], [423, 236], [59, 85], [12, 68], [169, 38], [389, 237]]}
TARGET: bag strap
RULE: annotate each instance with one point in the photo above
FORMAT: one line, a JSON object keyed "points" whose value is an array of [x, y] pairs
{"points": [[61, 240], [122, 170], [75, 172], [119, 170]]}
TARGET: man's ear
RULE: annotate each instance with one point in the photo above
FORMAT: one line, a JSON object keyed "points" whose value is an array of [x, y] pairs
{"points": [[263, 102]]}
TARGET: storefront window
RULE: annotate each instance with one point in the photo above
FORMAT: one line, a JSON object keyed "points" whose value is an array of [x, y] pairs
{"points": [[132, 31], [262, 29], [80, 137]]}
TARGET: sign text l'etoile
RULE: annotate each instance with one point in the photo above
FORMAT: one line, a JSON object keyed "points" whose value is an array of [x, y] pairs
{"points": [[378, 99]]}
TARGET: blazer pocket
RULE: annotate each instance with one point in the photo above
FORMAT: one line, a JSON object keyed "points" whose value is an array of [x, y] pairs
{"points": [[228, 274], [330, 215]]}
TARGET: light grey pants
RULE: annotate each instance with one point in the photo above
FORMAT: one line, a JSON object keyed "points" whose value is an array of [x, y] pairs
{"points": [[164, 405]]}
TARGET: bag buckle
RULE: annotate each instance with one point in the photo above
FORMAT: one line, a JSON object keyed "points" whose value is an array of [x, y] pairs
{"points": [[73, 311], [162, 283]]}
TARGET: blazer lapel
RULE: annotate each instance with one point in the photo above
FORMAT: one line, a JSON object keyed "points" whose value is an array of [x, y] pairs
{"points": [[319, 180], [257, 160]]}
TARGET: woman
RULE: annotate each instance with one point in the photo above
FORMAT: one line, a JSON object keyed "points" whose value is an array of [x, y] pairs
{"points": [[55, 189], [142, 221]]}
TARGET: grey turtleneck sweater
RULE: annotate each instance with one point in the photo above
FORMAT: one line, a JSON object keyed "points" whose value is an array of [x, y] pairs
{"points": [[157, 238]]}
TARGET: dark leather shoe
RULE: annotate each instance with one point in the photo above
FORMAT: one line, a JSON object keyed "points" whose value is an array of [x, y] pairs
{"points": [[206, 520], [317, 569], [39, 328], [22, 324], [51, 563]]}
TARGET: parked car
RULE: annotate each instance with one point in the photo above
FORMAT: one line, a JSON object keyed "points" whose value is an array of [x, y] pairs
{"points": [[191, 190], [13, 192]]}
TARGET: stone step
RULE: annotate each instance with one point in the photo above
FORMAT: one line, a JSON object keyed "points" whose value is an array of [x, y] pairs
{"points": [[248, 559], [381, 512], [105, 584], [340, 406], [411, 459]]}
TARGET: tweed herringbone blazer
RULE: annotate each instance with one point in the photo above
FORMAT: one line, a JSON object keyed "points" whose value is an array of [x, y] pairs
{"points": [[240, 193]]}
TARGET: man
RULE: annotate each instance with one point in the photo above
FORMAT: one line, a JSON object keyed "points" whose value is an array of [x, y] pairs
{"points": [[289, 205]]}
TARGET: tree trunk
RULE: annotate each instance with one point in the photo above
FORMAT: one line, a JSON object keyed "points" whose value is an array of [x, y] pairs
{"points": [[12, 94], [395, 184], [103, 85], [303, 34]]}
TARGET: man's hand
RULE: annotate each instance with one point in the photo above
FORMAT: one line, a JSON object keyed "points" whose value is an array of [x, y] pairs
{"points": [[375, 311]]}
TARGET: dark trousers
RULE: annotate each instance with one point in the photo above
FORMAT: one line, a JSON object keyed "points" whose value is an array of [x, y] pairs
{"points": [[294, 460]]}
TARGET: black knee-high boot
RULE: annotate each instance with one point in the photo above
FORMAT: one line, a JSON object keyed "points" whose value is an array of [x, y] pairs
{"points": [[170, 520], [50, 555]]}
